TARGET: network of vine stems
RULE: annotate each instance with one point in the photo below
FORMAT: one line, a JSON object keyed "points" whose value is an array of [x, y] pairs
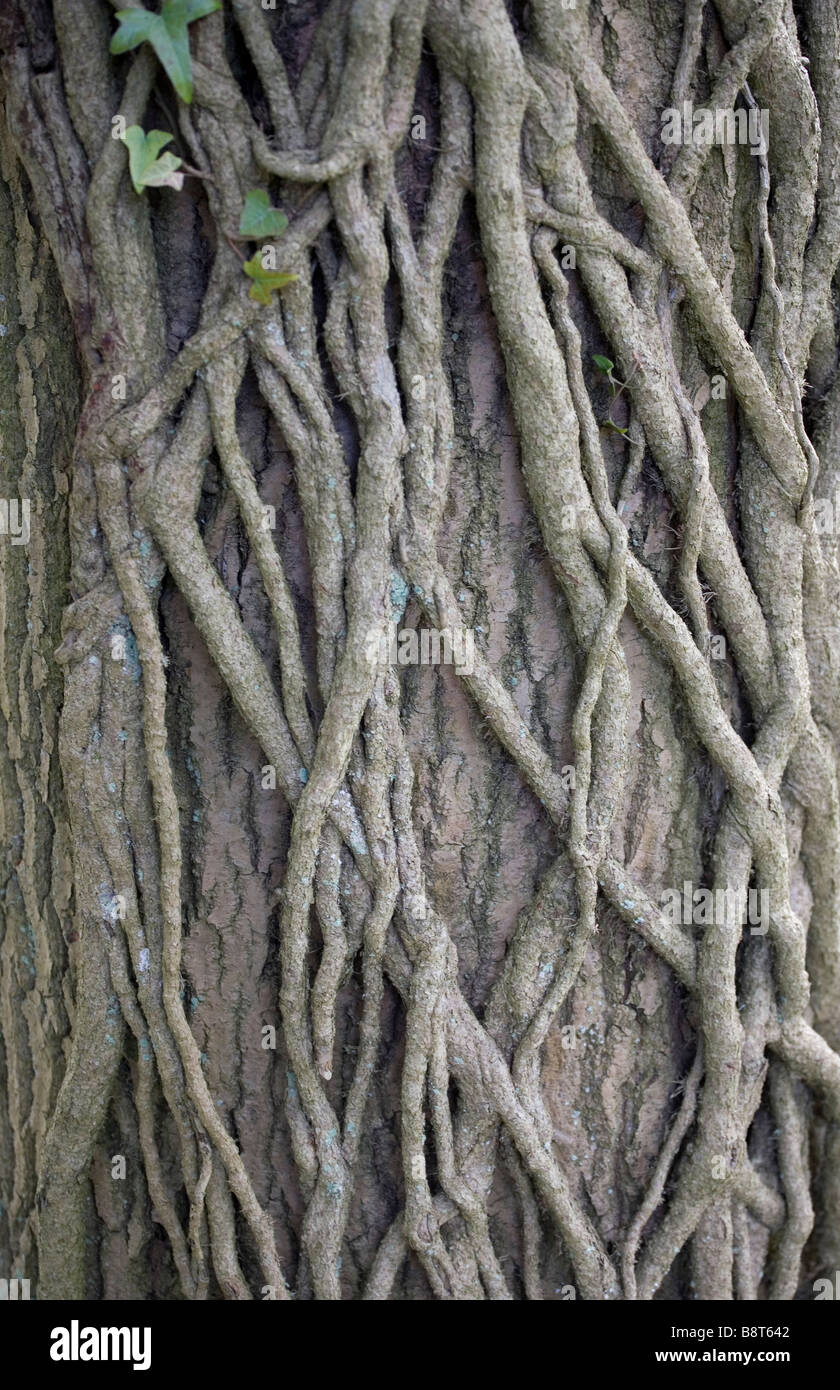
{"points": [[511, 108]]}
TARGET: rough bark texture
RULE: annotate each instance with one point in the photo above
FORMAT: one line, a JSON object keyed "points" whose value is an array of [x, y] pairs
{"points": [[371, 975]]}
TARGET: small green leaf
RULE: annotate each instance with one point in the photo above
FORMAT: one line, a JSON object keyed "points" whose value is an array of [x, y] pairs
{"points": [[264, 280], [195, 9], [167, 33], [134, 29], [146, 169], [259, 219], [604, 363]]}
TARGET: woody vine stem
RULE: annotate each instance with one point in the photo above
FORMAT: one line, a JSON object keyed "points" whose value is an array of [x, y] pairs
{"points": [[362, 397]]}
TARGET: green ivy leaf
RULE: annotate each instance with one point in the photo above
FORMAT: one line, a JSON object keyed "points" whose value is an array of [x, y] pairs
{"points": [[146, 169], [264, 280], [167, 33], [604, 363], [259, 219]]}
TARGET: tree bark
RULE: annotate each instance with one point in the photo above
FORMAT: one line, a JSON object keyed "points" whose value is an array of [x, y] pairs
{"points": [[339, 964]]}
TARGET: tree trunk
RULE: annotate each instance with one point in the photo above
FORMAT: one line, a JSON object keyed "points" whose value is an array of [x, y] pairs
{"points": [[419, 679]]}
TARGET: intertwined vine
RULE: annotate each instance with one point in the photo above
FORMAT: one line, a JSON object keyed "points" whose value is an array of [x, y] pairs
{"points": [[517, 93]]}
